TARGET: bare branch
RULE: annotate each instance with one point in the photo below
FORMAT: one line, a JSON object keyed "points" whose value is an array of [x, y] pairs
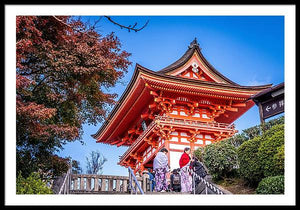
{"points": [[95, 23], [128, 27]]}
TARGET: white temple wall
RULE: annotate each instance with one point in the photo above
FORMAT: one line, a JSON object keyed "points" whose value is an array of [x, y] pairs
{"points": [[174, 159]]}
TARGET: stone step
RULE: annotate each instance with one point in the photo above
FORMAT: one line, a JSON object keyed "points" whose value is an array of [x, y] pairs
{"points": [[163, 193], [117, 192], [96, 192]]}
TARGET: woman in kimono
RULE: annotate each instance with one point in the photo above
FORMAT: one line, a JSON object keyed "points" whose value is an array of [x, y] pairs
{"points": [[186, 178], [160, 167]]}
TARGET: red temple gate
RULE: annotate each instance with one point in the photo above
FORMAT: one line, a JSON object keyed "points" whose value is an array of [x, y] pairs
{"points": [[187, 104]]}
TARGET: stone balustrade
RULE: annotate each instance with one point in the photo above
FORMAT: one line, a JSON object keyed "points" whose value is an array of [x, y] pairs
{"points": [[92, 183]]}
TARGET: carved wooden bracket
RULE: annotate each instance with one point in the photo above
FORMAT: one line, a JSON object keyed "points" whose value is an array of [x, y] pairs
{"points": [[163, 131], [193, 135]]}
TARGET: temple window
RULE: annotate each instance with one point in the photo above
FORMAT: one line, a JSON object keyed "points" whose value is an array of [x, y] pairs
{"points": [[207, 142], [199, 136], [174, 138], [205, 116], [200, 141], [175, 112], [196, 115], [184, 140], [183, 134], [182, 113]]}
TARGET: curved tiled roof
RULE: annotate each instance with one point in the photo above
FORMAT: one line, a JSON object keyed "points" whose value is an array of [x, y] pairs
{"points": [[194, 46]]}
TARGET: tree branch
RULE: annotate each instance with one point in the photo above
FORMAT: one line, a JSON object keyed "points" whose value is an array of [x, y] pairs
{"points": [[40, 83], [96, 22], [127, 27]]}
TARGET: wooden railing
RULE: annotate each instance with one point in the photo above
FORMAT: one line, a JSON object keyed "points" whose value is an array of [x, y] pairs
{"points": [[92, 183], [187, 122]]}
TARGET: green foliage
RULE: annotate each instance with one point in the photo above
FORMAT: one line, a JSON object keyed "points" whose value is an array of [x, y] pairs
{"points": [[221, 159], [250, 169], [256, 153], [276, 121], [271, 185], [279, 158], [267, 152], [237, 139], [51, 165], [262, 156], [32, 185], [198, 153], [254, 131], [258, 129]]}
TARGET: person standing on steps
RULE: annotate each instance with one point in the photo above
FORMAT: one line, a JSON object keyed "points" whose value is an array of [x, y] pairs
{"points": [[175, 180], [199, 169], [186, 178], [161, 167], [151, 179]]}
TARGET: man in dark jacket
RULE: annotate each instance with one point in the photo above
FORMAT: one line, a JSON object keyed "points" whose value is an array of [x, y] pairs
{"points": [[198, 168]]}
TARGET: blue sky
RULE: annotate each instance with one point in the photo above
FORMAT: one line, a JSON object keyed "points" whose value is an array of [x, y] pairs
{"points": [[249, 50]]}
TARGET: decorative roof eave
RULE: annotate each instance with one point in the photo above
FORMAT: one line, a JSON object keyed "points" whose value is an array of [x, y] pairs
{"points": [[119, 103], [199, 89], [152, 75], [193, 47]]}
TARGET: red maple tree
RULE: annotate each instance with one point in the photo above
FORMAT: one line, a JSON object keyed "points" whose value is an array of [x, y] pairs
{"points": [[61, 66]]}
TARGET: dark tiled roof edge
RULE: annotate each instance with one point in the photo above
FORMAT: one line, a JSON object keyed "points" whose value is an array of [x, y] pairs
{"points": [[194, 46]]}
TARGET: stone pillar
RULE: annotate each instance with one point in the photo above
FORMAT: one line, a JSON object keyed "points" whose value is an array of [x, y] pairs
{"points": [[103, 184], [88, 183], [75, 185], [110, 184], [96, 184], [81, 183], [125, 185], [145, 176], [118, 185]]}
